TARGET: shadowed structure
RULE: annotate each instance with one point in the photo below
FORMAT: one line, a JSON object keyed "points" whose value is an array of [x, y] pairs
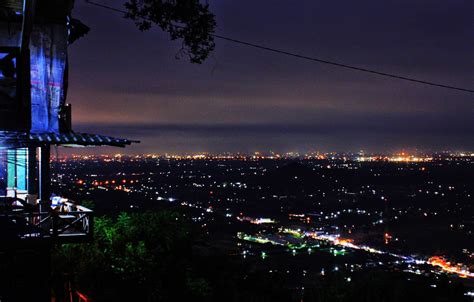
{"points": [[34, 115]]}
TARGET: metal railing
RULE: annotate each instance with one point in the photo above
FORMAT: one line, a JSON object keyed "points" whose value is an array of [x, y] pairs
{"points": [[66, 222]]}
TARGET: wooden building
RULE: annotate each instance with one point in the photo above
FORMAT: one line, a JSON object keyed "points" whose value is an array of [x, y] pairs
{"points": [[34, 115]]}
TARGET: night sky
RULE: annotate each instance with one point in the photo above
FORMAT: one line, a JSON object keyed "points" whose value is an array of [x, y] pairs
{"points": [[128, 83]]}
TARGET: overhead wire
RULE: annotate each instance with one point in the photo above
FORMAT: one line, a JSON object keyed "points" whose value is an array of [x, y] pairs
{"points": [[313, 59]]}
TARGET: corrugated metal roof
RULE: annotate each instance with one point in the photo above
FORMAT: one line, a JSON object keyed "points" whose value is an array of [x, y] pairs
{"points": [[10, 139]]}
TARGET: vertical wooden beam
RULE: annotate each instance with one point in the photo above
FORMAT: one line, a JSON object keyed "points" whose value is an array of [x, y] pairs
{"points": [[32, 188], [25, 62], [45, 178], [27, 24]]}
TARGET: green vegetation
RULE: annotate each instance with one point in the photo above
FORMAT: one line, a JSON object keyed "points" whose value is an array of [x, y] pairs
{"points": [[157, 256], [141, 257]]}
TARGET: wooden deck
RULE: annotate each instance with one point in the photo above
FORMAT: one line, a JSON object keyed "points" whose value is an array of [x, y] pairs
{"points": [[63, 224]]}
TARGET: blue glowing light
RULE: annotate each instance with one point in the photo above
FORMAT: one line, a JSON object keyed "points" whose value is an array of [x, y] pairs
{"points": [[48, 65]]}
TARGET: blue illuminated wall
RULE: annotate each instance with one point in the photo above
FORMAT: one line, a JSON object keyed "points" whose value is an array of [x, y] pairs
{"points": [[48, 51], [11, 171], [17, 169], [48, 65], [21, 169]]}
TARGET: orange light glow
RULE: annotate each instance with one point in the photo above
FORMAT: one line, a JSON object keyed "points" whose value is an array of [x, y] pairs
{"points": [[450, 268]]}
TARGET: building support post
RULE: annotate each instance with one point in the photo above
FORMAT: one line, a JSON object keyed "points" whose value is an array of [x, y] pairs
{"points": [[32, 188], [25, 62], [45, 179]]}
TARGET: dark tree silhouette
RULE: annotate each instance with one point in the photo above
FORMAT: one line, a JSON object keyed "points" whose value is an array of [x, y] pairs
{"points": [[189, 20]]}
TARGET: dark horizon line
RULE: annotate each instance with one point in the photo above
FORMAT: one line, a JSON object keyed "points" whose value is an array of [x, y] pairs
{"points": [[369, 125], [407, 151]]}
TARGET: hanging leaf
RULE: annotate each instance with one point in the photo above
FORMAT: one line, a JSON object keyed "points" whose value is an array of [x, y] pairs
{"points": [[188, 20]]}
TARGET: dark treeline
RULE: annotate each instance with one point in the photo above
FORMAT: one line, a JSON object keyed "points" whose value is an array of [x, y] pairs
{"points": [[160, 256]]}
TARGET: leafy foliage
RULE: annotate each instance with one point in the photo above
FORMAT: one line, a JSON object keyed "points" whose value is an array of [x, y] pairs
{"points": [[141, 257], [189, 20], [156, 256], [88, 204]]}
